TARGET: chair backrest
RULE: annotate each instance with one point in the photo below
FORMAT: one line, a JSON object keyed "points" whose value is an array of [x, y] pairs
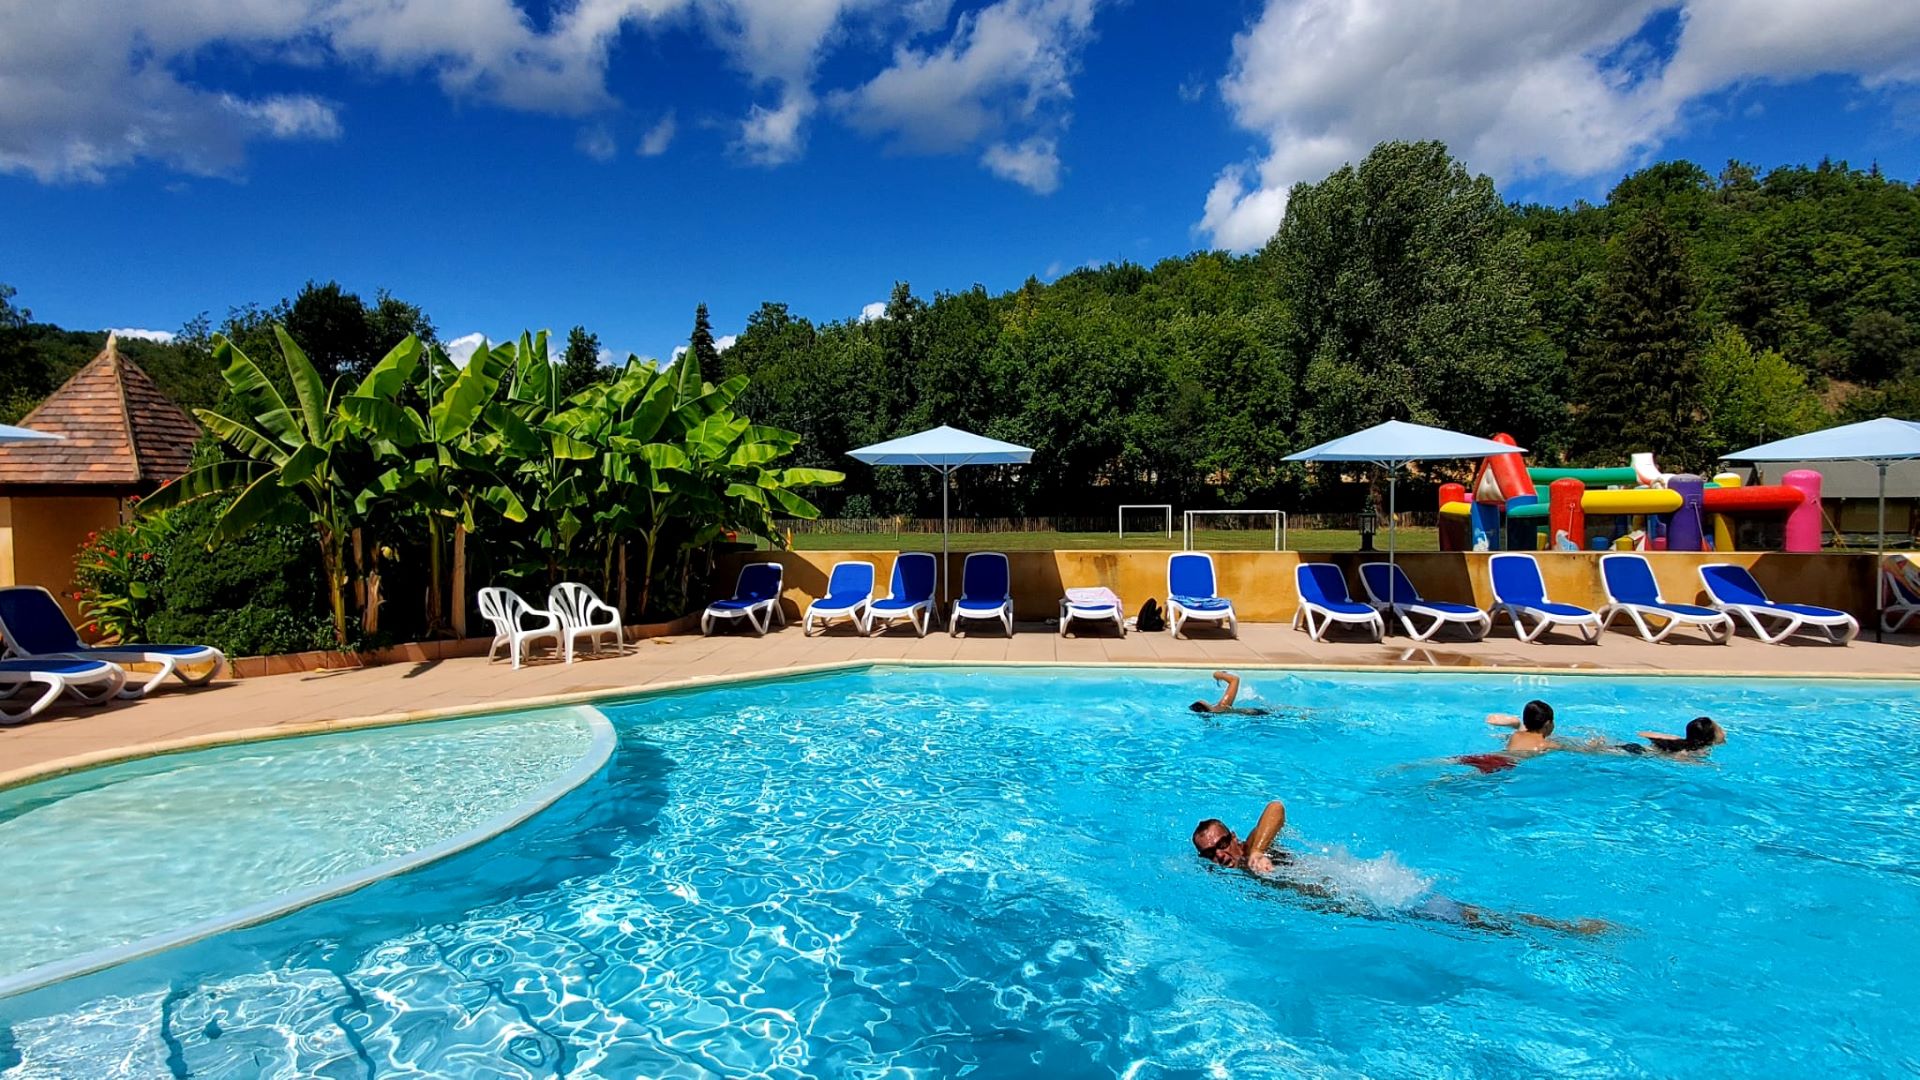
{"points": [[1378, 577], [1516, 580], [33, 624], [573, 602], [1902, 573], [759, 581], [502, 607], [1730, 584], [914, 575], [986, 576], [1190, 573], [851, 580], [1628, 579], [1321, 583]]}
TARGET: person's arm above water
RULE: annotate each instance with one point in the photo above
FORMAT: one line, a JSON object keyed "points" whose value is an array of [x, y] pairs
{"points": [[1500, 719], [1260, 840], [1233, 690]]}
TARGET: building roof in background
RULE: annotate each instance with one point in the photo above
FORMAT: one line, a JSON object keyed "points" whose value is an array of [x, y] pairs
{"points": [[119, 429], [1847, 479]]}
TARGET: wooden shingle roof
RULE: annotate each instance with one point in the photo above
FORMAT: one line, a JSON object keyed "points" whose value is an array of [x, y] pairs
{"points": [[119, 429]]}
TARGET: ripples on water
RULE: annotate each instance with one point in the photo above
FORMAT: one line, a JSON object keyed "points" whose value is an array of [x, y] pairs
{"points": [[914, 873]]}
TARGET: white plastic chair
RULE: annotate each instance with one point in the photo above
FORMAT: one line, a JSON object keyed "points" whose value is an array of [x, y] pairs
{"points": [[849, 595], [1191, 593], [583, 614], [756, 598], [1903, 601], [510, 616], [1323, 596], [1520, 593], [1733, 590]]}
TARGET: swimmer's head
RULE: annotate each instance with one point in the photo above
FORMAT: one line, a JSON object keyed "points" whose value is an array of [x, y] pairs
{"points": [[1216, 843], [1537, 717], [1201, 706], [1702, 731]]}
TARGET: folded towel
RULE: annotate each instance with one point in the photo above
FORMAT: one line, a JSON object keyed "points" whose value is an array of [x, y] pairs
{"points": [[1095, 597]]}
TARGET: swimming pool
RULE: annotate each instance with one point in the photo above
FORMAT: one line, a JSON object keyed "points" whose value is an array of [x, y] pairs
{"points": [[925, 872]]}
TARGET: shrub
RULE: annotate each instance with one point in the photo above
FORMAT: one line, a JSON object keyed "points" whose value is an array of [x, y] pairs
{"points": [[259, 594], [119, 573]]}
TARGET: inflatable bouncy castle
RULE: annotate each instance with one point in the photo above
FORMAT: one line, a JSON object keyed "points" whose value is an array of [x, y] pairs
{"points": [[1638, 507]]}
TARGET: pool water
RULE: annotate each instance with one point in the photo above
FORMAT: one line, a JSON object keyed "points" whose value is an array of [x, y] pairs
{"points": [[911, 872]]}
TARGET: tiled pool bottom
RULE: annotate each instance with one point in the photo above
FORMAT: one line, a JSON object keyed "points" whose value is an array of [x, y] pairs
{"points": [[124, 857], [943, 872]]}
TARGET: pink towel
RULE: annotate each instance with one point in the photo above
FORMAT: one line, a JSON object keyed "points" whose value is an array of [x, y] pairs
{"points": [[1095, 597]]}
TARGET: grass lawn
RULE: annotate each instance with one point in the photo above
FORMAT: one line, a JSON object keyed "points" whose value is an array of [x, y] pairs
{"points": [[1206, 540]]}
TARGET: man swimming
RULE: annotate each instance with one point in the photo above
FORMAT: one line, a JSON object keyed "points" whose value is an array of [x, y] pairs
{"points": [[1225, 704], [1217, 844], [1535, 737]]}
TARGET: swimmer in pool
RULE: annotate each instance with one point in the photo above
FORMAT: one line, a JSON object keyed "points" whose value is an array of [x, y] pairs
{"points": [[1535, 737], [1225, 704], [1702, 735], [1217, 844]]}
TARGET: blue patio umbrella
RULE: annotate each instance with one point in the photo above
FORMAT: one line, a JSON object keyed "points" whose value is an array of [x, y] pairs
{"points": [[11, 434], [1877, 442], [1392, 446], [943, 449]]}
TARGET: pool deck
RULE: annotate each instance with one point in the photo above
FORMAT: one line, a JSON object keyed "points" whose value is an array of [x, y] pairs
{"points": [[64, 738]]}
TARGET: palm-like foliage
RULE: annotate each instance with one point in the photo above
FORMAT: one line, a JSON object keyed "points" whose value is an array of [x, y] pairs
{"points": [[654, 456]]}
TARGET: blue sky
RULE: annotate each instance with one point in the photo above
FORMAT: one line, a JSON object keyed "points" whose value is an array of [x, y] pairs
{"points": [[485, 160]]}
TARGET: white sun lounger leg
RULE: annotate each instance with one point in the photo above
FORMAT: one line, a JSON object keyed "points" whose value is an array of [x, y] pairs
{"points": [[55, 687]]}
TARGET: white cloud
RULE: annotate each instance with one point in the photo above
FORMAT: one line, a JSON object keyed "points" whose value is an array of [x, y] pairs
{"points": [[1007, 67], [725, 342], [597, 142], [658, 137], [461, 349], [875, 310], [774, 136], [1034, 164], [1514, 87], [161, 336]]}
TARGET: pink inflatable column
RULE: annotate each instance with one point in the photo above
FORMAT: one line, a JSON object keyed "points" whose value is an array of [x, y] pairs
{"points": [[1803, 521]]}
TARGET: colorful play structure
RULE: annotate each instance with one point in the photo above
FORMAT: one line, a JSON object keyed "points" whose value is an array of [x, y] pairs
{"points": [[1638, 507]]}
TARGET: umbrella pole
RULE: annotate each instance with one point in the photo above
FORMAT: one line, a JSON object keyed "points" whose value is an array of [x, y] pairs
{"points": [[946, 481], [1393, 478], [1879, 564]]}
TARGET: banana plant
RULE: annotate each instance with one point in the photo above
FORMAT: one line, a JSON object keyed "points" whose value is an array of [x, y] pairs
{"points": [[303, 464]]}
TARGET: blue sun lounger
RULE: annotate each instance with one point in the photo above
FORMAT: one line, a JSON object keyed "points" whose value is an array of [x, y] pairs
{"points": [[1734, 591], [756, 598], [1323, 595], [1632, 591], [1191, 593], [910, 595], [89, 681], [1407, 604], [849, 592], [986, 591], [1520, 593], [37, 629]]}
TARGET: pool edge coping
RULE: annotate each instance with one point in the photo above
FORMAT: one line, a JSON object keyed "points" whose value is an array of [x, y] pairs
{"points": [[48, 770], [602, 741]]}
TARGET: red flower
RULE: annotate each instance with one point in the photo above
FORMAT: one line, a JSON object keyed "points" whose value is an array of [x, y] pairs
{"points": [[148, 556], [112, 554]]}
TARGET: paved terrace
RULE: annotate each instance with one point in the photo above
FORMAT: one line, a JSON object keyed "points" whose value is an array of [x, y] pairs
{"points": [[283, 704]]}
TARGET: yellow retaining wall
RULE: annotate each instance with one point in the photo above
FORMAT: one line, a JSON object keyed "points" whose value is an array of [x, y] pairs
{"points": [[1260, 583]]}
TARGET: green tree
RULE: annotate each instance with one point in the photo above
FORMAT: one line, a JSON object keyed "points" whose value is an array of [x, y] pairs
{"points": [[1407, 281], [1638, 384], [1752, 396], [700, 346], [580, 365]]}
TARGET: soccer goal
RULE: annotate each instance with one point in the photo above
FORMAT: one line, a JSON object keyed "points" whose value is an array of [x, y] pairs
{"points": [[1235, 529], [1163, 511]]}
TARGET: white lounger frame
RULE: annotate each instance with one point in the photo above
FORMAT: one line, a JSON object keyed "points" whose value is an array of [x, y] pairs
{"points": [[1477, 622], [1839, 627]]}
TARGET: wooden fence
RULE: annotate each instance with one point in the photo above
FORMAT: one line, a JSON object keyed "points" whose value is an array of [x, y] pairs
{"points": [[893, 526]]}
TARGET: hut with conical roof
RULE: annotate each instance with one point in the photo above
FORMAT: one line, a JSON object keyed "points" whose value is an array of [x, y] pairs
{"points": [[122, 437]]}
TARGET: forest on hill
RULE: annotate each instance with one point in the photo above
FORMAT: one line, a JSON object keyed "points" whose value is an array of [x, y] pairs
{"points": [[1689, 314]]}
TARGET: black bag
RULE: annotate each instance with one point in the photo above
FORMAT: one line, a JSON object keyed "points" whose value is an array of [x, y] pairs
{"points": [[1150, 620]]}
